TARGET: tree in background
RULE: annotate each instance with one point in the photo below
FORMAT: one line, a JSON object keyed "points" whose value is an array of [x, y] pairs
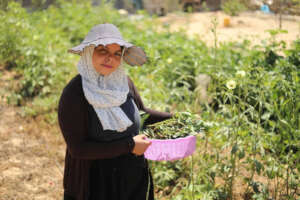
{"points": [[281, 7]]}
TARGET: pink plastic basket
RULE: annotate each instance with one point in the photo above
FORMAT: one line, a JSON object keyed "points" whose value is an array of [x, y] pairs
{"points": [[170, 149]]}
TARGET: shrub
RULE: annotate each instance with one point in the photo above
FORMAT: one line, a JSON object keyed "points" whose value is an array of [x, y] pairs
{"points": [[233, 7]]}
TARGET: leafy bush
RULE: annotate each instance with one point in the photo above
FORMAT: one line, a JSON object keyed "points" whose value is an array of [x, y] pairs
{"points": [[32, 51], [233, 7]]}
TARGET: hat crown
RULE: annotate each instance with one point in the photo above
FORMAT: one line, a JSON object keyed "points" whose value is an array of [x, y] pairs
{"points": [[104, 34], [103, 31]]}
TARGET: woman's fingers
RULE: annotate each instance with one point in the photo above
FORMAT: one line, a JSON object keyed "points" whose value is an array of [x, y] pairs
{"points": [[143, 136], [141, 144]]}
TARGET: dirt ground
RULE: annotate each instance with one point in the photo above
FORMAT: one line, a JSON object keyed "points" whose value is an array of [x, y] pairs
{"points": [[32, 152], [248, 25]]}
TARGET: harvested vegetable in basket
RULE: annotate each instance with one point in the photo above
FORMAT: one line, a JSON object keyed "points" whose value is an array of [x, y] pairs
{"points": [[181, 125]]}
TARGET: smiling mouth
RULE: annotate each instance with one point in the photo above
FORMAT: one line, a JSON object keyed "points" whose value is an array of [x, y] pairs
{"points": [[107, 66]]}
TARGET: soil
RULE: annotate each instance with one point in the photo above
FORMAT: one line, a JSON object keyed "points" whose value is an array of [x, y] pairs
{"points": [[248, 25], [31, 152]]}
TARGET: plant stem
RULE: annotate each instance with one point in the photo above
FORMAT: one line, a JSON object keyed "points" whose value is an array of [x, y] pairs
{"points": [[287, 178], [280, 14], [214, 31], [233, 162], [192, 177]]}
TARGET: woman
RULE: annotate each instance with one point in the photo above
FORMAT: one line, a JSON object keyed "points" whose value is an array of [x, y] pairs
{"points": [[99, 118]]}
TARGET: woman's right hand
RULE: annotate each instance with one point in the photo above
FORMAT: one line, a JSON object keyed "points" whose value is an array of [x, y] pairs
{"points": [[141, 144]]}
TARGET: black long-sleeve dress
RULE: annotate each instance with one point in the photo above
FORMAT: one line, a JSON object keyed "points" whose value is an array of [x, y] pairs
{"points": [[98, 164]]}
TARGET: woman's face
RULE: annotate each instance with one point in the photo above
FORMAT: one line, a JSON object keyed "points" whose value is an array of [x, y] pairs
{"points": [[107, 59]]}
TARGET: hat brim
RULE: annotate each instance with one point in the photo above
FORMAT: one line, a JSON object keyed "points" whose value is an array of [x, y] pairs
{"points": [[105, 41], [133, 55]]}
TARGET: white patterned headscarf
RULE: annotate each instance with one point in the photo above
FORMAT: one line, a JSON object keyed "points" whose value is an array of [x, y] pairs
{"points": [[105, 93]]}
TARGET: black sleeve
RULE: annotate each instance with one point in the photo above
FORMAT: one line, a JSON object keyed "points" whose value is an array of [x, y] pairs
{"points": [[72, 118], [154, 116]]}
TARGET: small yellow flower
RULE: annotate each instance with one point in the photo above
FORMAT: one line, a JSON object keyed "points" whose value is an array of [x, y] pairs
{"points": [[36, 37], [241, 73], [169, 61], [231, 84], [123, 12]]}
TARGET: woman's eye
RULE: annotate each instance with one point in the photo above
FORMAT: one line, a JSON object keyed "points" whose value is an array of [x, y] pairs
{"points": [[102, 51], [118, 54]]}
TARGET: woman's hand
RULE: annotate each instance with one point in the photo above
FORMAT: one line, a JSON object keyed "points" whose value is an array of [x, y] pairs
{"points": [[141, 144]]}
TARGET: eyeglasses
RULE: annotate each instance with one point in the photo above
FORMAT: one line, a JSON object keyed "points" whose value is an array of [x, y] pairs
{"points": [[104, 52]]}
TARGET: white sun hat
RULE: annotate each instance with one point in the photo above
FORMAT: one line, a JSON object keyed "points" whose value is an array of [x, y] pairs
{"points": [[104, 34]]}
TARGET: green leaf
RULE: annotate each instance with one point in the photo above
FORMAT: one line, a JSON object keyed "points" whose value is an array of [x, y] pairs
{"points": [[234, 148]]}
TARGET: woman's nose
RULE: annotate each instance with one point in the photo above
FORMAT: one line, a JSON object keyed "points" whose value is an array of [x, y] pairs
{"points": [[108, 58]]}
